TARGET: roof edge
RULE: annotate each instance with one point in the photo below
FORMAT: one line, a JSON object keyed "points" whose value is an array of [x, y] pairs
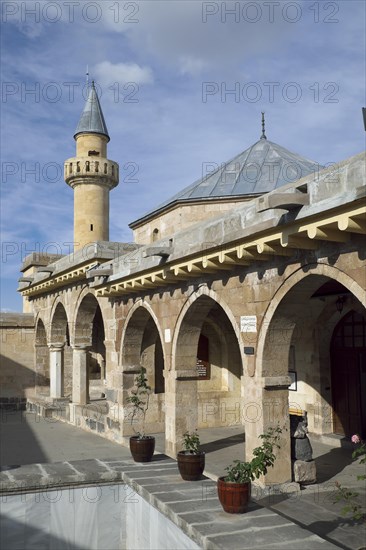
{"points": [[207, 200]]}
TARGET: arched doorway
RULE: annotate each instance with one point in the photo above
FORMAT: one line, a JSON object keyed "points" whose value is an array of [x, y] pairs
{"points": [[142, 346], [42, 361], [97, 370], [206, 390], [89, 348], [294, 343], [348, 367], [60, 343]]}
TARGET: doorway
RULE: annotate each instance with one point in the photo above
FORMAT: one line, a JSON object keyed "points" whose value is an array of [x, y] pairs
{"points": [[348, 364]]}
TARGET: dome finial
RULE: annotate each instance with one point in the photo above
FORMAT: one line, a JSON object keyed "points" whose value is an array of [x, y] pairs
{"points": [[263, 136]]}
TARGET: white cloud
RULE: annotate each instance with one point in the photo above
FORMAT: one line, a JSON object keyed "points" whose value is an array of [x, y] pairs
{"points": [[107, 73], [179, 35], [190, 65]]}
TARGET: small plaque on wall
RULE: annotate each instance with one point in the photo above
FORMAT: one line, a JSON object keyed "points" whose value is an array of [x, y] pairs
{"points": [[203, 370], [248, 323]]}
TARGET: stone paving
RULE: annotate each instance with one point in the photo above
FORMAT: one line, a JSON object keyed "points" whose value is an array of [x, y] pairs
{"points": [[305, 518], [160, 484]]}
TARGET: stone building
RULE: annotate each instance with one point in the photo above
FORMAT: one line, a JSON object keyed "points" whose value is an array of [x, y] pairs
{"points": [[242, 296]]}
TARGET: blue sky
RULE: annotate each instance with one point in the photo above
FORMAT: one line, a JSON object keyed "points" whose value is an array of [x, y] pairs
{"points": [[165, 70]]}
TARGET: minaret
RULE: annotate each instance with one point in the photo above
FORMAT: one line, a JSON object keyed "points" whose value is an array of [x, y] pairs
{"points": [[91, 175]]}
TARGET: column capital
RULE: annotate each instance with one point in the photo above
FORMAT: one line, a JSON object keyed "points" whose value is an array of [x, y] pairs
{"points": [[81, 347], [56, 347]]}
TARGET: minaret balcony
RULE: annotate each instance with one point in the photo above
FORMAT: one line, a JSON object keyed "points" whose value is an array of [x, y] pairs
{"points": [[88, 170]]}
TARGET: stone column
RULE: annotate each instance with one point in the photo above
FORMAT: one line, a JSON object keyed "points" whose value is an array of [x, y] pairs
{"points": [[80, 378], [265, 405], [102, 370], [181, 408], [42, 370], [56, 371]]}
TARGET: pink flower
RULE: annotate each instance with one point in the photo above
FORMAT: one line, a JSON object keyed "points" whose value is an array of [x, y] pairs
{"points": [[355, 439]]}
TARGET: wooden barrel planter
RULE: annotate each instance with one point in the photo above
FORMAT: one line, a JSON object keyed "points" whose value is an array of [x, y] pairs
{"points": [[234, 497], [191, 465], [142, 449]]}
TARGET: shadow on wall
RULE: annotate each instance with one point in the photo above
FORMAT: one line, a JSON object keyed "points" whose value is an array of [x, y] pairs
{"points": [[15, 534], [17, 382], [19, 444]]}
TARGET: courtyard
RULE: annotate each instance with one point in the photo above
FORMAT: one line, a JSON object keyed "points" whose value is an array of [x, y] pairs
{"points": [[31, 440]]}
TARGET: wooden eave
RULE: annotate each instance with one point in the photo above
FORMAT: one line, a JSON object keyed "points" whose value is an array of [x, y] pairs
{"points": [[335, 225], [64, 278]]}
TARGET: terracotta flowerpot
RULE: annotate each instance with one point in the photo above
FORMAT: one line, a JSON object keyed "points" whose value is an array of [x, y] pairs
{"points": [[142, 449], [234, 497], [191, 465]]}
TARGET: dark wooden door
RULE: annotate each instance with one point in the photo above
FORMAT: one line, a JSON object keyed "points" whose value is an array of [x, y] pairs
{"points": [[348, 360]]}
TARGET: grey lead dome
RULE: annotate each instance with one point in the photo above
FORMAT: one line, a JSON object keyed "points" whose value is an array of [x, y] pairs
{"points": [[261, 168]]}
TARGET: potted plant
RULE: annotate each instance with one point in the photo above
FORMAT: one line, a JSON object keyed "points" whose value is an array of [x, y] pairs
{"points": [[142, 446], [191, 461], [234, 489]]}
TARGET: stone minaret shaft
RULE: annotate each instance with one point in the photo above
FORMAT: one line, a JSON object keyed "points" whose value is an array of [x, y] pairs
{"points": [[91, 175]]}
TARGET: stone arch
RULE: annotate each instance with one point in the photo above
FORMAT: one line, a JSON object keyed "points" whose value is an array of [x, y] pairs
{"points": [[296, 332], [85, 312], [203, 290], [59, 329], [311, 276], [41, 359], [132, 333], [60, 345], [89, 333], [41, 335], [142, 345], [211, 401]]}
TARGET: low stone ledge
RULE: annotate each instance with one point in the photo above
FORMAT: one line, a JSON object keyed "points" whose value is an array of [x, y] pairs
{"points": [[34, 477], [192, 506]]}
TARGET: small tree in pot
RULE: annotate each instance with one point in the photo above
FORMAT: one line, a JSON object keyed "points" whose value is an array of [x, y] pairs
{"points": [[142, 446], [234, 489], [191, 461]]}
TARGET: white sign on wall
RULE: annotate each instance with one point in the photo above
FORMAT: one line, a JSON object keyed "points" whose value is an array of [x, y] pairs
{"points": [[167, 336], [248, 323]]}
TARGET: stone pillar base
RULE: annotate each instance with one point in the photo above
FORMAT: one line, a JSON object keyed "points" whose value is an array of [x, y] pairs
{"points": [[304, 472]]}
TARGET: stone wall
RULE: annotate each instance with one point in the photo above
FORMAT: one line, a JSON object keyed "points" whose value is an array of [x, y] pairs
{"points": [[180, 217], [17, 375], [95, 517]]}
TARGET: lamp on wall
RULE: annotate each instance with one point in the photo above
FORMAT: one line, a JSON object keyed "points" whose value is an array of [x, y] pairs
{"points": [[340, 303]]}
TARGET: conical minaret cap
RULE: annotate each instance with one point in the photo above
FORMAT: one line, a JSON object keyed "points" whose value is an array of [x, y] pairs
{"points": [[92, 119]]}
